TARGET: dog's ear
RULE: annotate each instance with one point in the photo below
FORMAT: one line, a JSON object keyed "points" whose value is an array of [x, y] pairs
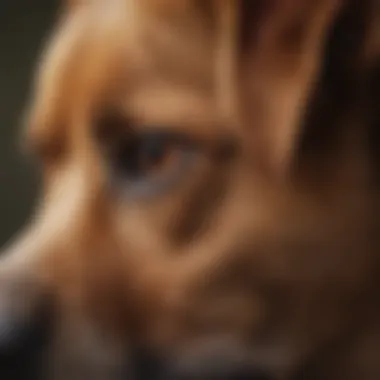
{"points": [[271, 52], [372, 37]]}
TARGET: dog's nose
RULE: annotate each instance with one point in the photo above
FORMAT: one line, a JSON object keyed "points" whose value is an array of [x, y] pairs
{"points": [[24, 328]]}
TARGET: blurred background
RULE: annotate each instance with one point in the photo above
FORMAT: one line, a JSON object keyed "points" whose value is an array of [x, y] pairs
{"points": [[24, 27]]}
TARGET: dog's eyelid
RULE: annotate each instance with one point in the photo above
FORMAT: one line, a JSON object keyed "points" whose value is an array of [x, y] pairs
{"points": [[111, 125], [220, 147]]}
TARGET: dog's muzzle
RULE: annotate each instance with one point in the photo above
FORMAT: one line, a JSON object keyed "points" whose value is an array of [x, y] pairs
{"points": [[27, 328]]}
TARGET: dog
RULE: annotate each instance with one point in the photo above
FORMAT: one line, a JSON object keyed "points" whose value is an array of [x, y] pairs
{"points": [[210, 195]]}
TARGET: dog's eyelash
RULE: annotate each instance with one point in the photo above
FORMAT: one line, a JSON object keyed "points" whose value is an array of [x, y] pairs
{"points": [[113, 127]]}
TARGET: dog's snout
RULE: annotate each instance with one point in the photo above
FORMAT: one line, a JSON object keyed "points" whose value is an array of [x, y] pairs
{"points": [[25, 322]]}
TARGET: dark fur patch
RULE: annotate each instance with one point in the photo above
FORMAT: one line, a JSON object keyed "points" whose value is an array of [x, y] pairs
{"points": [[199, 207], [342, 84], [198, 210]]}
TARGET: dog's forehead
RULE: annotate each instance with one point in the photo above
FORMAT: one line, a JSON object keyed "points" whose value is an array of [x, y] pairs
{"points": [[125, 51]]}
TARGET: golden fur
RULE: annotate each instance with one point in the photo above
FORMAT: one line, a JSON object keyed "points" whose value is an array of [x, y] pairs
{"points": [[267, 247]]}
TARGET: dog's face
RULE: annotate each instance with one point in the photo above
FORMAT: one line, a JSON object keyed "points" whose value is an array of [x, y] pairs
{"points": [[204, 200]]}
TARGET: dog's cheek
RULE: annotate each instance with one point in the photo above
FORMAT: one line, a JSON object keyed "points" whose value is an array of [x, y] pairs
{"points": [[196, 211]]}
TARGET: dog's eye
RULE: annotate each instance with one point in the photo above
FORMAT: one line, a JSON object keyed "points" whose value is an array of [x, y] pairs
{"points": [[149, 163], [146, 155]]}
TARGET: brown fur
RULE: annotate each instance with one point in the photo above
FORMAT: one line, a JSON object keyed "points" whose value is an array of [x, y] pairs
{"points": [[270, 247]]}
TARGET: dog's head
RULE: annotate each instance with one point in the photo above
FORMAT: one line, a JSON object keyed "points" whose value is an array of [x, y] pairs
{"points": [[209, 196]]}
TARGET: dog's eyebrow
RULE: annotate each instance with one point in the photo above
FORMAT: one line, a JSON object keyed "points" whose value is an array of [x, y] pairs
{"points": [[182, 111]]}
